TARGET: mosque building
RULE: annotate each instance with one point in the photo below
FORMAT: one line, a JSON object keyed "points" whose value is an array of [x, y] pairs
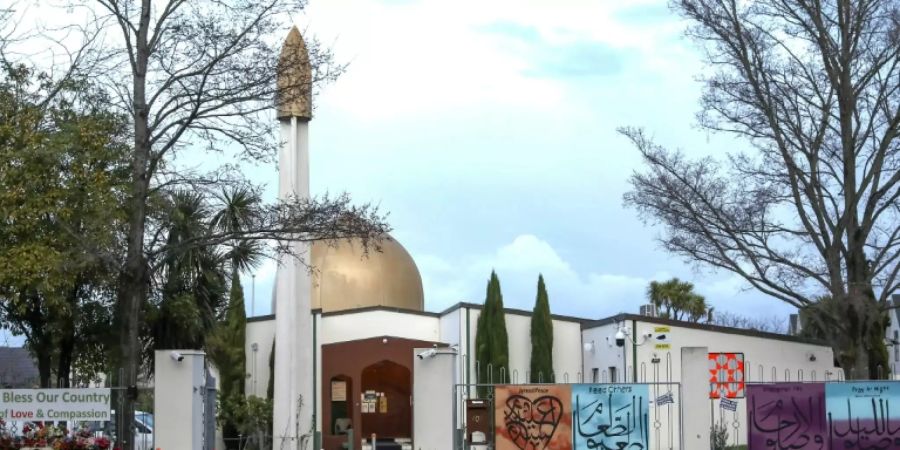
{"points": [[357, 353]]}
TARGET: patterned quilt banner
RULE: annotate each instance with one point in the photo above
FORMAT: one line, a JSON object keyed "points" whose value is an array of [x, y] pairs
{"points": [[533, 417], [726, 375], [611, 416], [786, 416], [864, 415]]}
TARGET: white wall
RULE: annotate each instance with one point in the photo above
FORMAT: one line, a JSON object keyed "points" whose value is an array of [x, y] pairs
{"points": [[261, 333], [603, 354], [791, 360], [179, 387], [362, 325], [433, 401], [567, 347]]}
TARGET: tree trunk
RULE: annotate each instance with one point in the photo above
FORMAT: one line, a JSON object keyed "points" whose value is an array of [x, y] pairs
{"points": [[64, 362], [66, 339], [862, 353], [134, 279], [44, 363]]}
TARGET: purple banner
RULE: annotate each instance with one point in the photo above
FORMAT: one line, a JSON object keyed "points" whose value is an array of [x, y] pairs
{"points": [[787, 415]]}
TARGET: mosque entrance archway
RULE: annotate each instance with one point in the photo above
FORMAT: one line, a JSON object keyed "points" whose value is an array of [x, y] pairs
{"points": [[386, 388]]}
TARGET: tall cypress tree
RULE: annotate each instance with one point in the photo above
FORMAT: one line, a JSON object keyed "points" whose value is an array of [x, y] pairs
{"points": [[226, 349], [541, 337], [491, 342], [500, 341]]}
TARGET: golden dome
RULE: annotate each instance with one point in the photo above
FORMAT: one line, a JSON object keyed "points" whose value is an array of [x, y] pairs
{"points": [[346, 278]]}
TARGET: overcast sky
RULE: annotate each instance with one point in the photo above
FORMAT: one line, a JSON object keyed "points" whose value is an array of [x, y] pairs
{"points": [[487, 129]]}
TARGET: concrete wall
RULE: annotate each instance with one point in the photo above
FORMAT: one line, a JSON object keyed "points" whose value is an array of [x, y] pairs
{"points": [[179, 387], [261, 333], [602, 354], [791, 361], [567, 348], [366, 324], [433, 401]]}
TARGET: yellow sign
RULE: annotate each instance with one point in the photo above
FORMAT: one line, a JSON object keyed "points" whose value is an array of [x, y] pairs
{"points": [[663, 346], [661, 330]]}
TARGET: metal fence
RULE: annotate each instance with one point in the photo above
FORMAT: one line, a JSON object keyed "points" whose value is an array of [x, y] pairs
{"points": [[727, 420], [664, 402]]}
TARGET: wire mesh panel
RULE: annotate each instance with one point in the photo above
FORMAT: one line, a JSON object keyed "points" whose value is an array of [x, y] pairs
{"points": [[587, 415]]}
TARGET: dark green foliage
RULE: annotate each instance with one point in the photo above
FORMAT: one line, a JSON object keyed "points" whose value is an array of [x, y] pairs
{"points": [[491, 342], [252, 419], [679, 300], [270, 389], [226, 349], [62, 175], [820, 320], [541, 337]]}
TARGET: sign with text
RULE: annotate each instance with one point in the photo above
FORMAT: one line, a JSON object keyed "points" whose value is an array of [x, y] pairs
{"points": [[662, 336], [533, 417], [613, 416], [55, 404], [863, 415], [786, 415]]}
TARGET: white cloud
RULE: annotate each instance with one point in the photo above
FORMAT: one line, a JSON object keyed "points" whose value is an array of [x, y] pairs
{"points": [[432, 56], [518, 264], [582, 293]]}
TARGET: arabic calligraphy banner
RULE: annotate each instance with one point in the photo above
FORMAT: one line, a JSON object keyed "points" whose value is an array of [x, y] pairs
{"points": [[533, 417], [863, 415], [611, 416], [786, 415]]}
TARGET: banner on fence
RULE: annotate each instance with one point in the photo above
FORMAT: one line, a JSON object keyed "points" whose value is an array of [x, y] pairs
{"points": [[614, 416], [786, 415], [726, 375], [863, 414], [55, 404], [533, 417]]}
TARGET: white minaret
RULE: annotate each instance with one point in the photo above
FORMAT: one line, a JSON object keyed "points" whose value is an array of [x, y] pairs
{"points": [[293, 414]]}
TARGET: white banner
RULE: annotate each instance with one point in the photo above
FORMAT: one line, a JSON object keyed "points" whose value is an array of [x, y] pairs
{"points": [[55, 404]]}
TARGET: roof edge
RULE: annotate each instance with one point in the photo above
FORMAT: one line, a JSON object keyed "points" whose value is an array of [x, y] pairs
{"points": [[702, 326]]}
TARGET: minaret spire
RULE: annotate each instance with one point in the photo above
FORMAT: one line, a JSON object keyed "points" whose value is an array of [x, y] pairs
{"points": [[294, 404], [294, 97]]}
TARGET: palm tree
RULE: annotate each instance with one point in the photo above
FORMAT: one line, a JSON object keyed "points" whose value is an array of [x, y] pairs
{"points": [[679, 300], [193, 280], [238, 212]]}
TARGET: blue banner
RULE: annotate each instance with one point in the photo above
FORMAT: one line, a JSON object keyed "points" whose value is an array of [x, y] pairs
{"points": [[864, 415], [611, 416]]}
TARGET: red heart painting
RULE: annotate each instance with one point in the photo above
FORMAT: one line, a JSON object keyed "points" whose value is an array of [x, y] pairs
{"points": [[533, 418]]}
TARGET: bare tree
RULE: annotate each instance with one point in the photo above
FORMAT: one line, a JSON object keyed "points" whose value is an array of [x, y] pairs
{"points": [[201, 77], [813, 209], [770, 324]]}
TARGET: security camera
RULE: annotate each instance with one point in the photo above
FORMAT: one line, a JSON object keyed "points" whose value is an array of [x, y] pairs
{"points": [[427, 354], [177, 357], [620, 338]]}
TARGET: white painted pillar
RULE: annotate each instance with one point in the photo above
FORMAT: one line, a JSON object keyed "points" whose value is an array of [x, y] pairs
{"points": [[695, 415], [179, 387], [433, 394], [293, 417]]}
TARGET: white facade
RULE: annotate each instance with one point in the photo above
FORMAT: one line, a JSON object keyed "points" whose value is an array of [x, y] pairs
{"points": [[768, 357], [583, 351]]}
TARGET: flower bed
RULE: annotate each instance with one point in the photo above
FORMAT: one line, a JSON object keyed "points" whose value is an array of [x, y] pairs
{"points": [[49, 437]]}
